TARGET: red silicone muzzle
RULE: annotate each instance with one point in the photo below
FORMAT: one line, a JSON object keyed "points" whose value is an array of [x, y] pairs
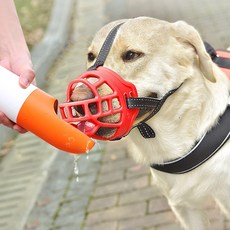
{"points": [[99, 107]]}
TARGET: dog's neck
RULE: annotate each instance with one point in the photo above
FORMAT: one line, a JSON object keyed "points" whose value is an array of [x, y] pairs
{"points": [[182, 121]]}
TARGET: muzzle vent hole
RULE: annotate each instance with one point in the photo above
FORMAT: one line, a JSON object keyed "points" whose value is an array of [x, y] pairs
{"points": [[74, 112], [93, 108], [104, 90], [81, 92], [92, 80], [106, 132], [115, 103], [78, 111], [105, 106]]}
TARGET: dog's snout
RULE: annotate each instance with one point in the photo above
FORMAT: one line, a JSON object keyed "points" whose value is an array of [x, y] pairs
{"points": [[81, 93]]}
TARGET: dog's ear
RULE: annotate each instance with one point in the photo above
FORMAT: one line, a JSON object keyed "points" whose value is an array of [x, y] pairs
{"points": [[189, 34]]}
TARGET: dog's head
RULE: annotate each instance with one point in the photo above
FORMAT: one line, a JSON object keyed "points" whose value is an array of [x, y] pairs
{"points": [[156, 56]]}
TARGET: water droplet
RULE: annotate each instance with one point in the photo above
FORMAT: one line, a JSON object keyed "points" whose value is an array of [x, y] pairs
{"points": [[98, 145], [87, 151], [88, 147], [76, 169]]}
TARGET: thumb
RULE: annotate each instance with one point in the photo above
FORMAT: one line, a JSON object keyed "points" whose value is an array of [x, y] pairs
{"points": [[26, 77]]}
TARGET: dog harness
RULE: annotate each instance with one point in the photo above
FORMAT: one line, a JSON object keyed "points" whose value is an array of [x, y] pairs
{"points": [[213, 140], [209, 144]]}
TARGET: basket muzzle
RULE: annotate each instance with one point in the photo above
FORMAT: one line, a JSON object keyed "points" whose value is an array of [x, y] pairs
{"points": [[97, 104]]}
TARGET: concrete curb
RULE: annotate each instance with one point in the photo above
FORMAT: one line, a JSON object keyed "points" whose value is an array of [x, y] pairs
{"points": [[55, 39], [46, 51]]}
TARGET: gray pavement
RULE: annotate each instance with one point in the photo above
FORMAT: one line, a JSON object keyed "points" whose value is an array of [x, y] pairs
{"points": [[39, 190]]}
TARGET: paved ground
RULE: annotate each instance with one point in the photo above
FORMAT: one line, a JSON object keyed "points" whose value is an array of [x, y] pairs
{"points": [[39, 190], [211, 18]]}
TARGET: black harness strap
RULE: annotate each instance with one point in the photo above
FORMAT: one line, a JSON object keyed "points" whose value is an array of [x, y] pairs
{"points": [[214, 139], [210, 50], [222, 62]]}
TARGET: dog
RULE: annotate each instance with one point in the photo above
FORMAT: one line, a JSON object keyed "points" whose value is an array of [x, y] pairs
{"points": [[158, 56]]}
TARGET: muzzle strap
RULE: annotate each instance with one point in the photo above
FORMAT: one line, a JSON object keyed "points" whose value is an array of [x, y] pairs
{"points": [[142, 103], [147, 103], [105, 48], [146, 131]]}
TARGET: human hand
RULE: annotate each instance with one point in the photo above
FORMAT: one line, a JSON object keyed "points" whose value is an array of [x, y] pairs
{"points": [[23, 68], [14, 53]]}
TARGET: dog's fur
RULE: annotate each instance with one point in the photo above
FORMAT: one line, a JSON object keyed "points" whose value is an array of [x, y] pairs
{"points": [[157, 56]]}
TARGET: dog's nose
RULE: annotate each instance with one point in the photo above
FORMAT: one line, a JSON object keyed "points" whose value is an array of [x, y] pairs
{"points": [[81, 93]]}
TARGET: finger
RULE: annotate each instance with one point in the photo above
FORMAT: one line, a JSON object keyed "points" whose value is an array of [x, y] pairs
{"points": [[4, 120], [19, 129], [26, 78]]}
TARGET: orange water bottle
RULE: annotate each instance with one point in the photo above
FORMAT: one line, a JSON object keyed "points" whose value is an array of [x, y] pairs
{"points": [[36, 111]]}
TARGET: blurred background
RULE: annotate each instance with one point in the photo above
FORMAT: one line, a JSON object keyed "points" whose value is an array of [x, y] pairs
{"points": [[34, 16], [38, 185]]}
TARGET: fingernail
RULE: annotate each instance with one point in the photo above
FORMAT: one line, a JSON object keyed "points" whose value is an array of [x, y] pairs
{"points": [[24, 82]]}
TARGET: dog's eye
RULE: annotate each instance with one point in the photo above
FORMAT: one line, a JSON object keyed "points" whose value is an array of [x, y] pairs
{"points": [[131, 55], [91, 57]]}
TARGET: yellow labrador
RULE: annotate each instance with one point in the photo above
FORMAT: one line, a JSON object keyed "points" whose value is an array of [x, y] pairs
{"points": [[158, 56]]}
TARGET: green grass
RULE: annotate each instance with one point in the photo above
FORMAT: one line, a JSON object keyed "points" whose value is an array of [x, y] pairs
{"points": [[34, 16]]}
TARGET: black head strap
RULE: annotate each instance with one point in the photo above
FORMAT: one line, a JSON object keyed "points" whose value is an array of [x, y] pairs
{"points": [[105, 48]]}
